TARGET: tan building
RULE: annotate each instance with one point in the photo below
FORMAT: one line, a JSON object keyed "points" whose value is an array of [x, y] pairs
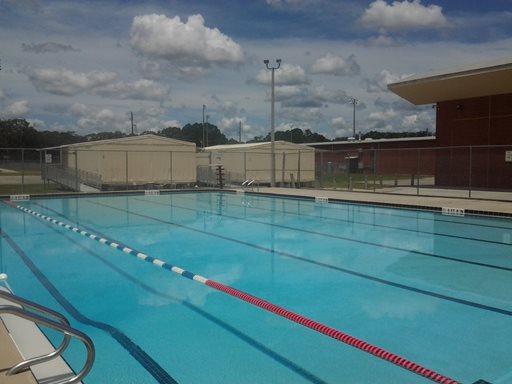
{"points": [[126, 163], [295, 163]]}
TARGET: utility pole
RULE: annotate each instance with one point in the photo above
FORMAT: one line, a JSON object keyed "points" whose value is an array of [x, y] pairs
{"points": [[272, 127], [133, 125], [353, 101], [240, 132]]}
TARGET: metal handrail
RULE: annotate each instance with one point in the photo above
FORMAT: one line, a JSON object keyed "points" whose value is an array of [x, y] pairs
{"points": [[64, 328], [39, 359]]}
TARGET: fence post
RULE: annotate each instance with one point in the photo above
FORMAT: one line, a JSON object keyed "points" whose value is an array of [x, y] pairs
{"points": [[470, 165], [418, 174], [170, 169], [43, 169], [374, 167], [245, 166], [77, 184], [23, 170], [283, 170], [298, 171], [126, 160], [321, 169]]}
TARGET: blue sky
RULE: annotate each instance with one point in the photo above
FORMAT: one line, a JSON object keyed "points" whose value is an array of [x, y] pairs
{"points": [[85, 65]]}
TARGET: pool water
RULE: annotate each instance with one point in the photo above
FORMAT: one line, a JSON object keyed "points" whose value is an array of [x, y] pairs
{"points": [[431, 288]]}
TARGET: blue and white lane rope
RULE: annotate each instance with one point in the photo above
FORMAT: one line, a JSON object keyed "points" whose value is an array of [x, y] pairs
{"points": [[299, 319]]}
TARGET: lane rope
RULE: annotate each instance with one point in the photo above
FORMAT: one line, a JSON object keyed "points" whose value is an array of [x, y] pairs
{"points": [[299, 319]]}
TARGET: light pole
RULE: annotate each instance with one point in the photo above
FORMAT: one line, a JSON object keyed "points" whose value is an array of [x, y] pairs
{"points": [[353, 101], [272, 125], [203, 142]]}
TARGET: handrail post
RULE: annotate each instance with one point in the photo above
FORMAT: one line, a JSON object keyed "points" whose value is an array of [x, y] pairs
{"points": [[62, 326], [38, 359]]}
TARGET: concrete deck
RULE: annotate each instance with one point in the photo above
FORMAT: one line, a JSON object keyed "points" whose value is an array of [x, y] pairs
{"points": [[480, 206], [10, 356]]}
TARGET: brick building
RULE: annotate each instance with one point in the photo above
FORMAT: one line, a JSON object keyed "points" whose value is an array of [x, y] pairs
{"points": [[473, 112]]}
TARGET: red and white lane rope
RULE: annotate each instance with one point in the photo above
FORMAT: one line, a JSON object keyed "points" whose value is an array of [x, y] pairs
{"points": [[299, 319]]}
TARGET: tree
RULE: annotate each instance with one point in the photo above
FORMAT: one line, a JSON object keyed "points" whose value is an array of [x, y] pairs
{"points": [[17, 133]]}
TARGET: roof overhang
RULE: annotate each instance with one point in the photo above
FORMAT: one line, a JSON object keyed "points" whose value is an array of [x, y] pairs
{"points": [[491, 78]]}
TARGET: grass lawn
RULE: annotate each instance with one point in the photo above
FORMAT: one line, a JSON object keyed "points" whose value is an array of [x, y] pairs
{"points": [[363, 181], [15, 189]]}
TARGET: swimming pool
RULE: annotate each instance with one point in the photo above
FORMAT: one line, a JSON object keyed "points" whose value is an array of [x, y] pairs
{"points": [[431, 288]]}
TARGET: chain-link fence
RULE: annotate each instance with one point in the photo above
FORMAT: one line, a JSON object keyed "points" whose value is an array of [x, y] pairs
{"points": [[470, 172], [473, 171]]}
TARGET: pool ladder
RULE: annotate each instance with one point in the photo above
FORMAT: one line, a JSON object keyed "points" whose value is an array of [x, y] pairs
{"points": [[248, 184], [61, 325]]}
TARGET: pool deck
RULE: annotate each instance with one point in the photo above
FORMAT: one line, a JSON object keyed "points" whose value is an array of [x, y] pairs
{"points": [[9, 356], [477, 206], [21, 339]]}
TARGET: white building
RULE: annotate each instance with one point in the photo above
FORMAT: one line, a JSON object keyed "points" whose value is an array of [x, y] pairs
{"points": [[295, 163], [127, 162]]}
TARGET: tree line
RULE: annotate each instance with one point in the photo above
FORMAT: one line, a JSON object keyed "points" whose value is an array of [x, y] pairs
{"points": [[19, 133]]}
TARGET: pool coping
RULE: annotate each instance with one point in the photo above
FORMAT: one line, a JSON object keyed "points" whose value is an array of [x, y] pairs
{"points": [[474, 206], [480, 207], [29, 341]]}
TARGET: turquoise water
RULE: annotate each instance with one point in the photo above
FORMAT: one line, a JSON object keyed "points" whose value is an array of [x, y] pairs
{"points": [[433, 289]]}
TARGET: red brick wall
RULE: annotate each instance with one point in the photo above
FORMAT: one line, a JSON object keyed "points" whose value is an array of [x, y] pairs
{"points": [[476, 121]]}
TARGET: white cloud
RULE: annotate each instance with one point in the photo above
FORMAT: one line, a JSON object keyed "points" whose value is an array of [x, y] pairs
{"points": [[285, 92], [339, 122], [189, 42], [290, 3], [380, 81], [68, 83], [170, 123], [37, 123], [48, 47], [341, 127], [337, 96], [382, 41], [336, 65], [100, 121], [16, 110], [418, 121], [140, 89], [79, 109], [311, 115], [233, 123], [105, 114], [387, 115], [91, 119], [403, 15], [228, 108], [150, 69], [287, 74]]}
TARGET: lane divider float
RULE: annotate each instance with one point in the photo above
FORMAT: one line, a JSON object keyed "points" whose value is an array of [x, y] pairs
{"points": [[299, 319]]}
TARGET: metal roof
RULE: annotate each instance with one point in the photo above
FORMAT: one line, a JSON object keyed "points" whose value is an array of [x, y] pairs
{"points": [[129, 140], [366, 141], [263, 144], [473, 80]]}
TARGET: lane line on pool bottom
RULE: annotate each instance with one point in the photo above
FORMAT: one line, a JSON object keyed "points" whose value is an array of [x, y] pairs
{"points": [[299, 319], [313, 262], [281, 359], [143, 358]]}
